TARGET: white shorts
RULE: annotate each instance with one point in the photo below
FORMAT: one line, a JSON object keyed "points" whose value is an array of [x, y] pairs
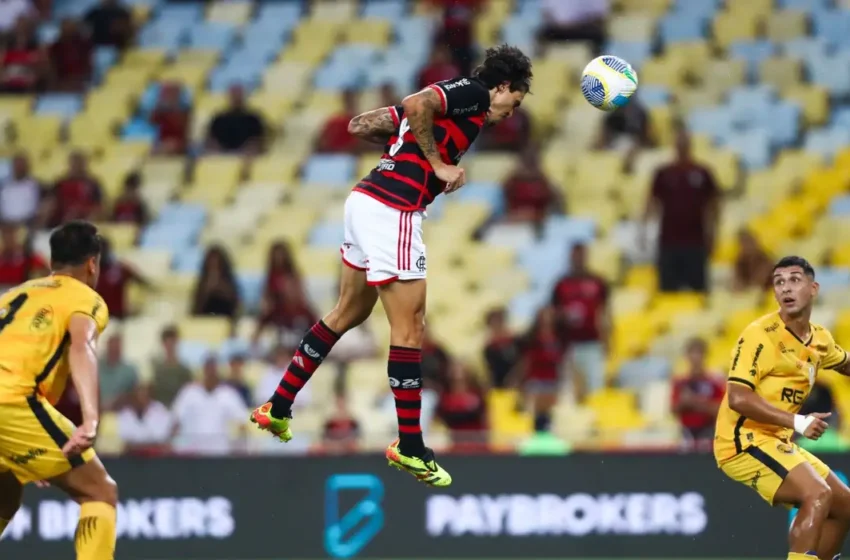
{"points": [[385, 242]]}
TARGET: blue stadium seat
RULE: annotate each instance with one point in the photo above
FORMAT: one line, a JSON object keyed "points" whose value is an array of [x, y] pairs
{"points": [[488, 193], [251, 290], [841, 117], [840, 206], [832, 73], [520, 32], [565, 229], [635, 52], [517, 236], [652, 96], [193, 353], [72, 8], [832, 25], [245, 74], [804, 5], [682, 27], [436, 208], [104, 59], [385, 9], [753, 147], [705, 8], [164, 35], [233, 346], [751, 105], [262, 49], [212, 36], [139, 129], [5, 169], [279, 15], [827, 141], [524, 307], [531, 10], [413, 35], [329, 169], [184, 12], [398, 69], [833, 278], [717, 122], [635, 374], [753, 52], [192, 215], [171, 235], [806, 48], [783, 124], [339, 77], [65, 105], [188, 259], [326, 234], [48, 32]]}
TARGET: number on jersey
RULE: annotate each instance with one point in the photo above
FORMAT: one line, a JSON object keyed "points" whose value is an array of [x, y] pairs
{"points": [[403, 128]]}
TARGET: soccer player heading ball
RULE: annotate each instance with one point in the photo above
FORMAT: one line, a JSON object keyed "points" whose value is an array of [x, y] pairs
{"points": [[774, 367], [383, 249]]}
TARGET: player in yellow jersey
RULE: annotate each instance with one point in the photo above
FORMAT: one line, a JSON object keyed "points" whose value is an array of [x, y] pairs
{"points": [[774, 367], [48, 330]]}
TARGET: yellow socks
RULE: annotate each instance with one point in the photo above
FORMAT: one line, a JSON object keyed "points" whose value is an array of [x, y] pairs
{"points": [[95, 536], [801, 556]]}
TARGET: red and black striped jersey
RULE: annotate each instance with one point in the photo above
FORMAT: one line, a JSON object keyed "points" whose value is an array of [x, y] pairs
{"points": [[403, 178]]}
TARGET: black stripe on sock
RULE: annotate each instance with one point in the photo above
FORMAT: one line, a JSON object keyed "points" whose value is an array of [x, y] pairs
{"points": [[59, 437], [408, 405], [288, 386], [408, 421], [299, 373]]}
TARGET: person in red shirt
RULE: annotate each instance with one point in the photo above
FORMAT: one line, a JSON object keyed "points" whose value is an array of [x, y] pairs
{"points": [[462, 406], [114, 281], [543, 352], [335, 137], [71, 56], [440, 67], [696, 397], [18, 263], [78, 194], [172, 120], [130, 207], [284, 304], [501, 351], [581, 300], [341, 432], [25, 64], [529, 196], [458, 19], [686, 197]]}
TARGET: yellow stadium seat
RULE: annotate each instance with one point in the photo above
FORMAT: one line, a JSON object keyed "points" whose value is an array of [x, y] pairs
{"points": [[135, 78], [722, 75], [724, 165], [319, 262], [16, 107], [334, 10], [605, 259], [632, 26], [484, 166], [654, 7], [781, 72], [628, 301], [112, 172], [199, 58], [135, 149], [485, 257], [218, 170], [212, 195], [38, 134], [816, 249], [643, 276], [729, 28], [814, 101], [88, 132], [615, 409], [211, 330], [785, 25], [237, 13], [327, 102], [368, 31], [606, 214], [797, 164], [768, 185], [144, 58], [574, 54], [750, 8], [689, 99], [169, 169], [274, 106], [467, 217], [663, 71], [503, 418], [190, 76], [288, 223], [120, 236], [485, 29], [661, 125], [690, 54], [821, 185]]}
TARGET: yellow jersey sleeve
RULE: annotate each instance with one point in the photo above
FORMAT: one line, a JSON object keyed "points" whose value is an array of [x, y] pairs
{"points": [[836, 356], [752, 357], [91, 304]]}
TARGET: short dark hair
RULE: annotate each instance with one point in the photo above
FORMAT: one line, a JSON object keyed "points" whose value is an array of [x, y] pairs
{"points": [[170, 331], [73, 243], [788, 262], [505, 64]]}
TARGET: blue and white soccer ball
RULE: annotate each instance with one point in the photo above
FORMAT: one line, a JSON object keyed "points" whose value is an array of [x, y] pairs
{"points": [[608, 82]]}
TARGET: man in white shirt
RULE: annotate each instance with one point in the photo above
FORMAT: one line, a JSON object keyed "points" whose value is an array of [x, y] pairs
{"points": [[144, 422], [20, 194], [210, 415], [575, 20]]}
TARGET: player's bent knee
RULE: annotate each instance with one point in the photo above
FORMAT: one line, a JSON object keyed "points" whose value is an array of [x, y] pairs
{"points": [[409, 333], [819, 496]]}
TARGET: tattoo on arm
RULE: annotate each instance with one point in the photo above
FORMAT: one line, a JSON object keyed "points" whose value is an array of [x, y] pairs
{"points": [[420, 110], [373, 126]]}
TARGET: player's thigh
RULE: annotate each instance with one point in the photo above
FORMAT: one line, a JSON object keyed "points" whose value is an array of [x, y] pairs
{"points": [[404, 305], [764, 468], [804, 481], [88, 483], [32, 435]]}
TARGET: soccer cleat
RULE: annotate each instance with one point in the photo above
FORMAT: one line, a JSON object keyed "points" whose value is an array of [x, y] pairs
{"points": [[278, 427], [425, 468]]}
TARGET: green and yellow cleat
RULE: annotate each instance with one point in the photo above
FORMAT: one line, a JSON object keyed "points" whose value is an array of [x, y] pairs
{"points": [[425, 469], [278, 427]]}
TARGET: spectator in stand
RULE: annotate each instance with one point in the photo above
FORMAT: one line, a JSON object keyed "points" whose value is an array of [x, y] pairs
{"points": [[25, 64], [22, 198], [144, 424], [341, 432], [508, 135], [685, 196], [529, 196], [216, 292], [169, 373], [440, 67], [11, 11], [335, 138], [696, 397], [457, 30], [626, 130], [206, 413], [71, 55], [581, 301], [543, 352], [278, 362], [284, 304], [462, 406], [18, 262], [501, 351], [236, 379], [130, 207], [237, 129], [114, 280], [435, 361], [753, 266], [111, 24], [575, 20], [116, 377], [171, 117], [78, 194]]}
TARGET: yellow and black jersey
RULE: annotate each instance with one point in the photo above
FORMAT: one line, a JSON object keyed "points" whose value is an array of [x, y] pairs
{"points": [[781, 368], [34, 339]]}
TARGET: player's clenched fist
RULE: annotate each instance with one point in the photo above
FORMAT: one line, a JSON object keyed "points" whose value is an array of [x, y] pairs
{"points": [[82, 439], [818, 426], [454, 176]]}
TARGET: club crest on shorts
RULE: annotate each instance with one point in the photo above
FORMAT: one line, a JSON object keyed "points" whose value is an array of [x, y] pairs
{"points": [[785, 447], [420, 263]]}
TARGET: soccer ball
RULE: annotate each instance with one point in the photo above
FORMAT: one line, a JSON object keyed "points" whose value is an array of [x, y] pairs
{"points": [[608, 82]]}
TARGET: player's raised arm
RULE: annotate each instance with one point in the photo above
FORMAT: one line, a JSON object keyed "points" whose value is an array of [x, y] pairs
{"points": [[82, 359], [420, 109], [375, 126]]}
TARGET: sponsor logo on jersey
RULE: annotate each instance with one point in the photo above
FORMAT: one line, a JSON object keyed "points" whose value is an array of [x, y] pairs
{"points": [[465, 110], [28, 456], [43, 319], [771, 328], [456, 84]]}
